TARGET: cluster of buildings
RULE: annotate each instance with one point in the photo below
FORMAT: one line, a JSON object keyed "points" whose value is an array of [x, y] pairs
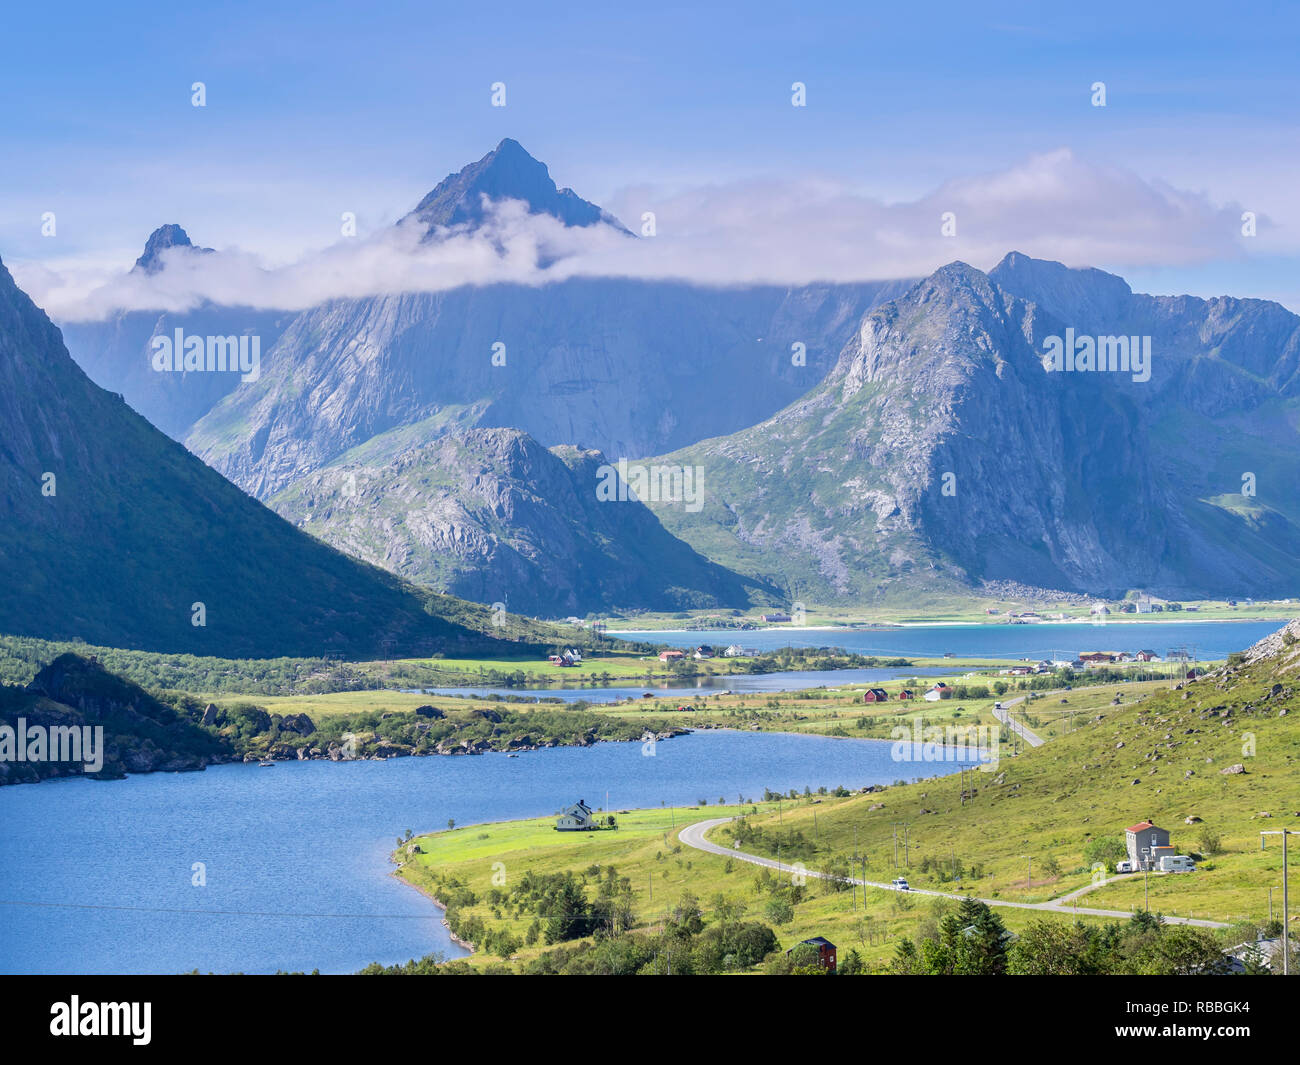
{"points": [[1084, 660], [569, 657], [1094, 659], [704, 653], [933, 695]]}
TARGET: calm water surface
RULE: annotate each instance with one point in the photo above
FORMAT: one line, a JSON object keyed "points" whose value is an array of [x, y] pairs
{"points": [[1212, 639], [96, 876]]}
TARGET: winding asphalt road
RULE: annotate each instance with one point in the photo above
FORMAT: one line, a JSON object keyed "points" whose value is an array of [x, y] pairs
{"points": [[693, 836], [1020, 729]]}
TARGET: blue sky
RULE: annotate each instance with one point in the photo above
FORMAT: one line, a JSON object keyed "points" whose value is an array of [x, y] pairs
{"points": [[314, 110]]}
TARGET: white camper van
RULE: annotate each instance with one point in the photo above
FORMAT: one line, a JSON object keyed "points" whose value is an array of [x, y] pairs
{"points": [[1176, 863]]}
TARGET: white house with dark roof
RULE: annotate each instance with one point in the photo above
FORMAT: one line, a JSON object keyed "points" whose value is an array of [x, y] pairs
{"points": [[576, 818]]}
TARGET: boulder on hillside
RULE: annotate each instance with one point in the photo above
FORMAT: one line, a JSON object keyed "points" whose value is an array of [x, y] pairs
{"points": [[299, 723]]}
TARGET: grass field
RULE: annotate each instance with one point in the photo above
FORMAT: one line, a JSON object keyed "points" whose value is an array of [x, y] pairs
{"points": [[1017, 833], [1137, 761], [645, 849], [819, 711]]}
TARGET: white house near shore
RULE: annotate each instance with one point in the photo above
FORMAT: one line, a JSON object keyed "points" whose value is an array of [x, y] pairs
{"points": [[576, 818]]}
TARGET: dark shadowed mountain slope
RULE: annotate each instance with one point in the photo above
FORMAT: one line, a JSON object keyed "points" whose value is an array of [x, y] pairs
{"points": [[491, 515], [940, 452], [111, 532]]}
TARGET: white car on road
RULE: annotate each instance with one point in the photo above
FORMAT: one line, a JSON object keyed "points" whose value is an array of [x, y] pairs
{"points": [[901, 884]]}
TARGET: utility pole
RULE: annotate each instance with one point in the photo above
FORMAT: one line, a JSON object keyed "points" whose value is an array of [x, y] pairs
{"points": [[1286, 932], [1030, 875]]}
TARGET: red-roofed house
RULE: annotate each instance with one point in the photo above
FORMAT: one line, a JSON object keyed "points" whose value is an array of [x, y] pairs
{"points": [[1146, 843]]}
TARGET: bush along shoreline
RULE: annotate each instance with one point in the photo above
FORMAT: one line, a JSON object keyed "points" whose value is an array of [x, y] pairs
{"points": [[176, 732]]}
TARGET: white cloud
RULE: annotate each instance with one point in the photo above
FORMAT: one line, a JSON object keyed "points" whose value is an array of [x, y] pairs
{"points": [[1054, 205]]}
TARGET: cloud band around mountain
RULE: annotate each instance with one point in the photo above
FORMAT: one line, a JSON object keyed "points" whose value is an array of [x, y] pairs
{"points": [[1054, 205]]}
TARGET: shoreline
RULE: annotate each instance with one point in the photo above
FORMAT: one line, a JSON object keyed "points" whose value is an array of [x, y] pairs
{"points": [[463, 943], [859, 790], [669, 732], [1111, 620]]}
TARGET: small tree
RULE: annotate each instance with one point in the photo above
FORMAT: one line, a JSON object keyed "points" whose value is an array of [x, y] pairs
{"points": [[1106, 850], [1209, 840], [779, 911]]}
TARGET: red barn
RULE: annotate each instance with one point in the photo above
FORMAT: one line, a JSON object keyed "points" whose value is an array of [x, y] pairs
{"points": [[825, 951], [875, 695]]}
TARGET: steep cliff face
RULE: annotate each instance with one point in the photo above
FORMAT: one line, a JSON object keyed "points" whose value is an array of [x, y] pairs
{"points": [[940, 452], [116, 354], [624, 367], [1258, 337], [491, 515], [627, 367], [111, 532]]}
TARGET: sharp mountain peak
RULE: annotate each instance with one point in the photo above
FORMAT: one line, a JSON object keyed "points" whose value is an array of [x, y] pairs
{"points": [[160, 240], [508, 172]]}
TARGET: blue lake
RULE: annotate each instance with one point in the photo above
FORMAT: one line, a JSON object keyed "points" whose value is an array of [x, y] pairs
{"points": [[96, 877], [1212, 639]]}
